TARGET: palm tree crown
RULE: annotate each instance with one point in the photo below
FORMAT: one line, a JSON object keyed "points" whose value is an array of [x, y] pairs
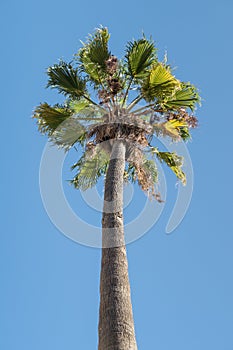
{"points": [[102, 97]]}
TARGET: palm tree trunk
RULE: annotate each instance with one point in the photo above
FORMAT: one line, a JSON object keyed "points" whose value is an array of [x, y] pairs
{"points": [[116, 325]]}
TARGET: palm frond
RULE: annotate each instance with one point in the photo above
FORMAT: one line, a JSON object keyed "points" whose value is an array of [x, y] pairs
{"points": [[186, 97], [159, 84], [142, 169], [150, 169], [184, 132], [94, 54], [70, 132], [84, 110], [140, 54], [174, 162], [91, 166], [60, 124], [147, 176], [65, 78], [79, 105], [175, 129], [49, 118]]}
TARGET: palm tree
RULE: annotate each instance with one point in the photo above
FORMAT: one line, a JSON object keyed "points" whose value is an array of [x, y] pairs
{"points": [[101, 115]]}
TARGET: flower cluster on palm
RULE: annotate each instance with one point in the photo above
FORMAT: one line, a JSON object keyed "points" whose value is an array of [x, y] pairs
{"points": [[135, 99]]}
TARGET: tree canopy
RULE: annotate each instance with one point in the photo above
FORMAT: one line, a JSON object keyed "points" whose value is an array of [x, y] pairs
{"points": [[136, 98]]}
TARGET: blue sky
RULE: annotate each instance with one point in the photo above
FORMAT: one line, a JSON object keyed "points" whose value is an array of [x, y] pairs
{"points": [[181, 283]]}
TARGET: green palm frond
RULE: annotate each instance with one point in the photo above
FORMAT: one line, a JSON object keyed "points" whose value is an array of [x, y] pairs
{"points": [[49, 118], [90, 166], [94, 54], [65, 78], [140, 54], [159, 84], [79, 105], [84, 110], [60, 124], [174, 161], [184, 133], [70, 132], [186, 97]]}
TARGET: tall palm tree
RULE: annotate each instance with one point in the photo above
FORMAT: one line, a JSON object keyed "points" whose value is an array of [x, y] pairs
{"points": [[101, 115]]}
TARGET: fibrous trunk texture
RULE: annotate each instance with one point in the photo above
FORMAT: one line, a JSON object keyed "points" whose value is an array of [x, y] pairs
{"points": [[116, 325]]}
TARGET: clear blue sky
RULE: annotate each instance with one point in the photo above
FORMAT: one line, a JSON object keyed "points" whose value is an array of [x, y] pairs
{"points": [[182, 283]]}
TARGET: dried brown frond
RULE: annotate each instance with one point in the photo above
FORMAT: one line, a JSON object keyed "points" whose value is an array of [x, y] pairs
{"points": [[182, 114], [145, 170], [121, 129]]}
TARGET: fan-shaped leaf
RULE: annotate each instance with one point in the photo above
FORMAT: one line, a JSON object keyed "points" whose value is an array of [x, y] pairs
{"points": [[69, 133], [91, 166], [60, 124], [49, 118], [84, 110], [140, 54], [186, 97], [159, 84], [94, 54], [65, 78]]}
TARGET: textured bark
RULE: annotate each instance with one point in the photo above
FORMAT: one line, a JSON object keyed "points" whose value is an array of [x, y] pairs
{"points": [[116, 325]]}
